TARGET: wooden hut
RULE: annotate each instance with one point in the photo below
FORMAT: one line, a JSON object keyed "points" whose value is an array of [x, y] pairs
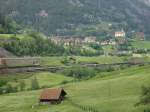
{"points": [[136, 60], [52, 96]]}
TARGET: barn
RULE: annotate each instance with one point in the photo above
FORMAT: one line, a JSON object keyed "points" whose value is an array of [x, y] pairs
{"points": [[52, 96]]}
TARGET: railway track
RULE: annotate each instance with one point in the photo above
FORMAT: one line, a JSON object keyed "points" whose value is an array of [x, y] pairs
{"points": [[4, 70], [22, 69]]}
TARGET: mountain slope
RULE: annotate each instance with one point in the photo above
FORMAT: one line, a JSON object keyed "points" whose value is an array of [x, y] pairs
{"points": [[76, 17]]}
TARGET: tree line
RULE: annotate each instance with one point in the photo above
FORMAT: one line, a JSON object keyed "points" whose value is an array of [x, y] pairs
{"points": [[33, 45]]}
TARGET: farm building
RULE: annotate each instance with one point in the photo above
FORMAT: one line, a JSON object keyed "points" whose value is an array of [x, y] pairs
{"points": [[18, 62], [53, 96], [136, 60], [7, 59]]}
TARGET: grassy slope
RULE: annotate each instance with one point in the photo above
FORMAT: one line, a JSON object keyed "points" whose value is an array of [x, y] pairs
{"points": [[117, 92], [44, 79], [101, 59], [56, 61], [141, 44], [52, 61], [8, 36]]}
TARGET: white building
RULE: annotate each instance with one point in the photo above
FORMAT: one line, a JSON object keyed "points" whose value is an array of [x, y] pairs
{"points": [[120, 34], [90, 40]]}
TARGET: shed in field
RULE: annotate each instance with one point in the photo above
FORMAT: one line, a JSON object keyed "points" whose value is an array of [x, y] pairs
{"points": [[136, 60], [52, 96]]}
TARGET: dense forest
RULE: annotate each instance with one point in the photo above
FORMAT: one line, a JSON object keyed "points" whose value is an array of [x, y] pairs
{"points": [[7, 25], [80, 17], [33, 44]]}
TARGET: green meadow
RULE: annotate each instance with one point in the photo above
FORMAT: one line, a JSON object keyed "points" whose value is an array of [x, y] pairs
{"points": [[56, 60], [141, 44], [44, 79], [116, 91]]}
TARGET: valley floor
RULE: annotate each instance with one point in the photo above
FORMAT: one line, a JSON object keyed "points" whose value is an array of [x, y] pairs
{"points": [[118, 91]]}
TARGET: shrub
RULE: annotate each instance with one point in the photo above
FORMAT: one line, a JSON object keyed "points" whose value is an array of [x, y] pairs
{"points": [[2, 83], [15, 89], [95, 46], [22, 85], [145, 96], [8, 89], [34, 84], [65, 59], [147, 110], [1, 91], [105, 69], [64, 82]]}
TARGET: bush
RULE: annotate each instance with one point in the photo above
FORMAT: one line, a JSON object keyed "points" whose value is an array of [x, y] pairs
{"points": [[65, 59], [80, 72], [64, 82], [22, 85], [96, 46], [105, 69], [145, 96], [147, 110], [8, 89], [34, 84], [2, 83], [1, 91]]}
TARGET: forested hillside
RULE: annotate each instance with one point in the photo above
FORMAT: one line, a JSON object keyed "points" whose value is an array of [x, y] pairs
{"points": [[80, 17], [7, 26]]}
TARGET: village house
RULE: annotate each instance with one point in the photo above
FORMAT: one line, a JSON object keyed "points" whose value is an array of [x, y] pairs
{"points": [[120, 34], [140, 36], [90, 39], [64, 40], [72, 40], [68, 41], [120, 37], [52, 96], [78, 41], [56, 40], [108, 42]]}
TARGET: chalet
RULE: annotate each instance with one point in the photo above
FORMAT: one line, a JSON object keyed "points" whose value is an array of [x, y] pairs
{"points": [[52, 96], [120, 34], [140, 36], [108, 42]]}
